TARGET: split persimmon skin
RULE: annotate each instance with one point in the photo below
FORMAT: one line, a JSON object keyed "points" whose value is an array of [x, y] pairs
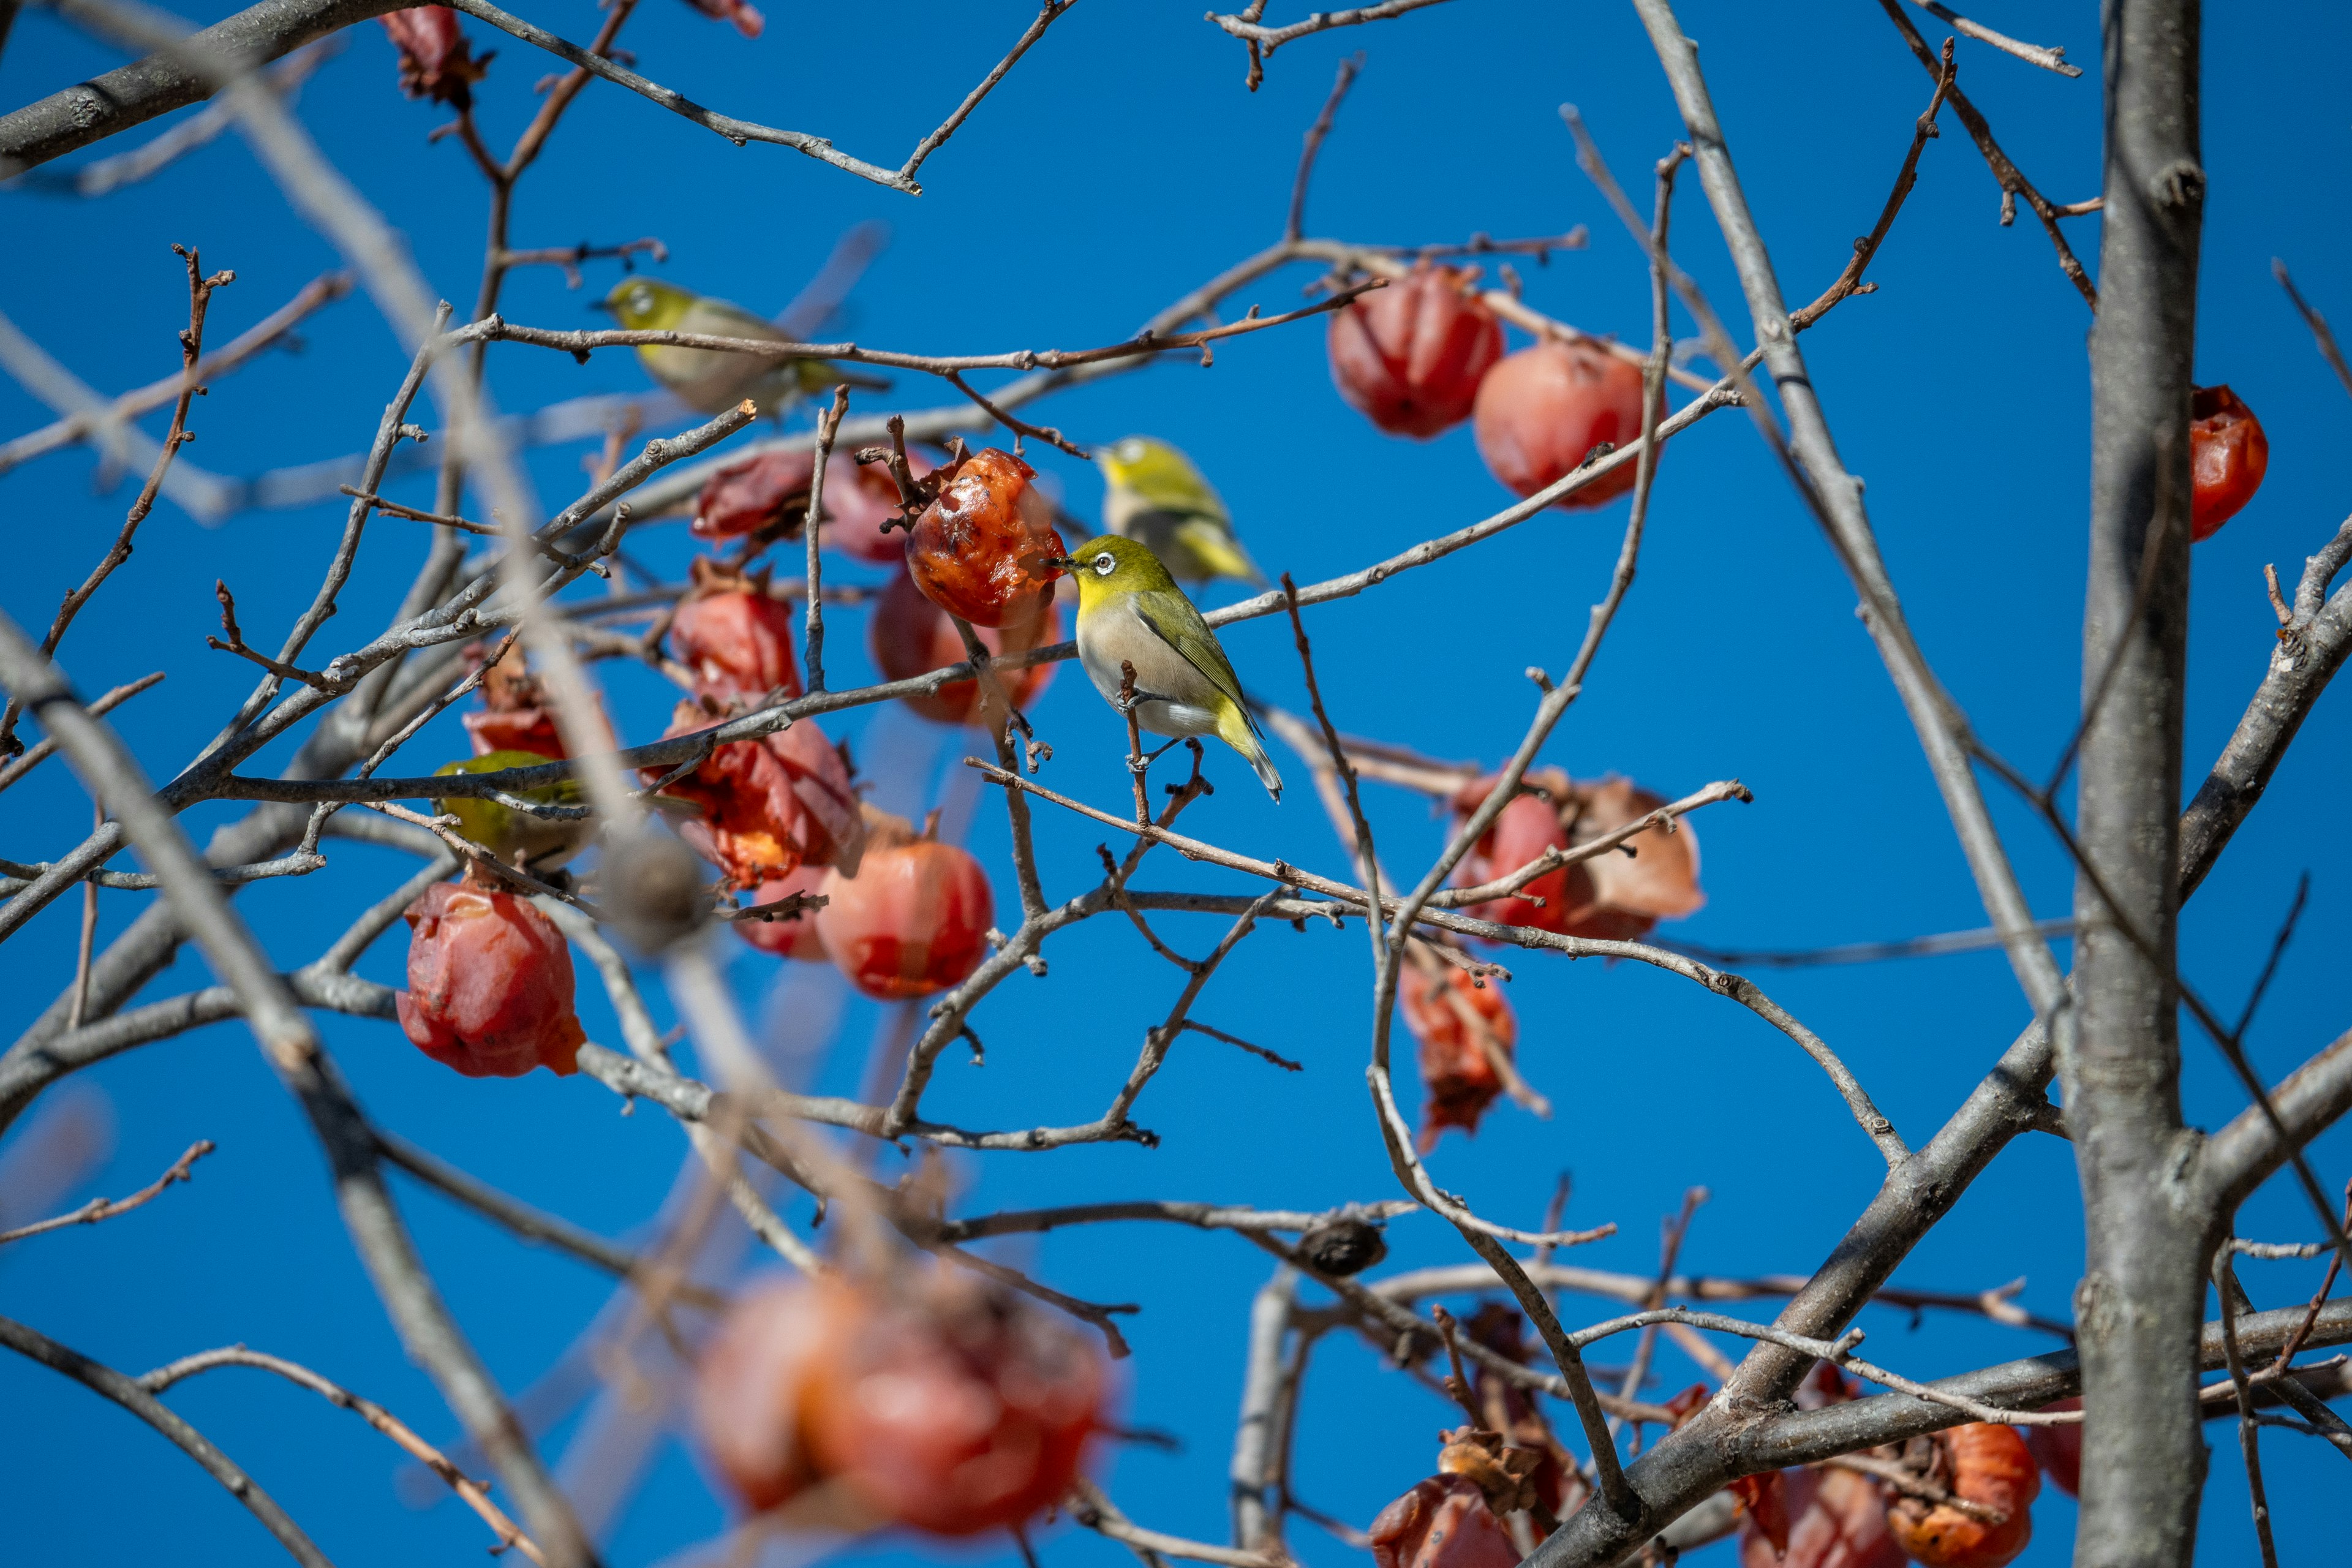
{"points": [[1409, 357]]}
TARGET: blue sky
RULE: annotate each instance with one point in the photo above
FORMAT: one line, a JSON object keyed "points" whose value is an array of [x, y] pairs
{"points": [[1119, 166]]}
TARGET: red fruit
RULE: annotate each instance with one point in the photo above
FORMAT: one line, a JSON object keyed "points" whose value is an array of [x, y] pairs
{"points": [[1461, 1026], [858, 499], [1984, 1462], [2228, 455], [745, 17], [435, 60], [2059, 1449], [794, 936], [1443, 1522], [1543, 409], [1409, 357], [1633, 893], [516, 716], [769, 806], [979, 551], [490, 984], [1527, 827], [955, 1410], [949, 1409], [767, 494], [910, 636], [909, 920], [1612, 897], [1835, 1520], [736, 640], [750, 1384]]}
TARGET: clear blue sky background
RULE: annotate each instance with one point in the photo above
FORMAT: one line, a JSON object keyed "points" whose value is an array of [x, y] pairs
{"points": [[1120, 164]]}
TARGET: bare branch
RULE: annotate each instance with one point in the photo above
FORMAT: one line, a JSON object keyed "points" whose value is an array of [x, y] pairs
{"points": [[124, 1391]]}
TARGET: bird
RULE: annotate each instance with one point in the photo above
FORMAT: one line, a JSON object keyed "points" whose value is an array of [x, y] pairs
{"points": [[1160, 500], [535, 844], [710, 380], [1131, 611]]}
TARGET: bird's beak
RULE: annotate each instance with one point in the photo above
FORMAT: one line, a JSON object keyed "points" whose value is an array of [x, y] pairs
{"points": [[1062, 562], [603, 306]]}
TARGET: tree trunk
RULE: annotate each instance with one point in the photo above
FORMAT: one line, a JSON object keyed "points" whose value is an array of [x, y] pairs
{"points": [[2141, 1301]]}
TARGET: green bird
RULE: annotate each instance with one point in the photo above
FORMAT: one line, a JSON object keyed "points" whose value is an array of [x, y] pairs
{"points": [[1160, 500], [710, 380], [534, 844], [1130, 610]]}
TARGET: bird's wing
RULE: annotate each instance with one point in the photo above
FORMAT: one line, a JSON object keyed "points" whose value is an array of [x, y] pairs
{"points": [[721, 318], [1199, 646]]}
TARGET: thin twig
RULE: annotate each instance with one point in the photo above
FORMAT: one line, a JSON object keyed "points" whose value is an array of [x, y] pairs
{"points": [[828, 426], [1349, 65], [99, 1209]]}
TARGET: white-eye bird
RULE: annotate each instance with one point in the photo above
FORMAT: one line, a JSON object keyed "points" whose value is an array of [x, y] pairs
{"points": [[1130, 610], [1158, 499], [709, 380], [533, 844]]}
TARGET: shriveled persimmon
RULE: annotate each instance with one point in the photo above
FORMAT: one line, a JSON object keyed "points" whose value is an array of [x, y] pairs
{"points": [[858, 499], [735, 638], [515, 715], [1612, 897], [1409, 357], [2059, 1449], [1543, 411], [767, 807], [933, 1404], [766, 495], [1461, 1026], [1442, 1522], [910, 636], [2228, 456], [490, 984], [913, 920], [981, 549], [1982, 1463]]}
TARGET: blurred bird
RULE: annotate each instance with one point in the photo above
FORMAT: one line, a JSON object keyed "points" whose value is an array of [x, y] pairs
{"points": [[1130, 610], [534, 844], [709, 380], [1159, 499]]}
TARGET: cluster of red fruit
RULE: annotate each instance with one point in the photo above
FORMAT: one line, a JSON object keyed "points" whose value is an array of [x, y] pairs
{"points": [[938, 1405], [1424, 354], [1841, 1519], [491, 982], [1463, 1023]]}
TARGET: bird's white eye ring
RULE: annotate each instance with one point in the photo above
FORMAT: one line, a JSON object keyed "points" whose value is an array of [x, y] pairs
{"points": [[1104, 564], [1131, 451]]}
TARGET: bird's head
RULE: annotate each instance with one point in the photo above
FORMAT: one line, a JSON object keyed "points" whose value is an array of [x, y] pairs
{"points": [[1149, 466], [1109, 566], [647, 304]]}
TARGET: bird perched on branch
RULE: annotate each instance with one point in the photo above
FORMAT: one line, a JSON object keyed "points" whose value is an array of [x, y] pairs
{"points": [[709, 380], [1131, 612], [1158, 499], [534, 844]]}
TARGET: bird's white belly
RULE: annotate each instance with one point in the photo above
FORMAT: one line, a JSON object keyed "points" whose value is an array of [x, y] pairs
{"points": [[1177, 697]]}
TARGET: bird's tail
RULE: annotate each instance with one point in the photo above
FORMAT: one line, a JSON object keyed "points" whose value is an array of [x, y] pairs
{"points": [[1234, 729], [1221, 551]]}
